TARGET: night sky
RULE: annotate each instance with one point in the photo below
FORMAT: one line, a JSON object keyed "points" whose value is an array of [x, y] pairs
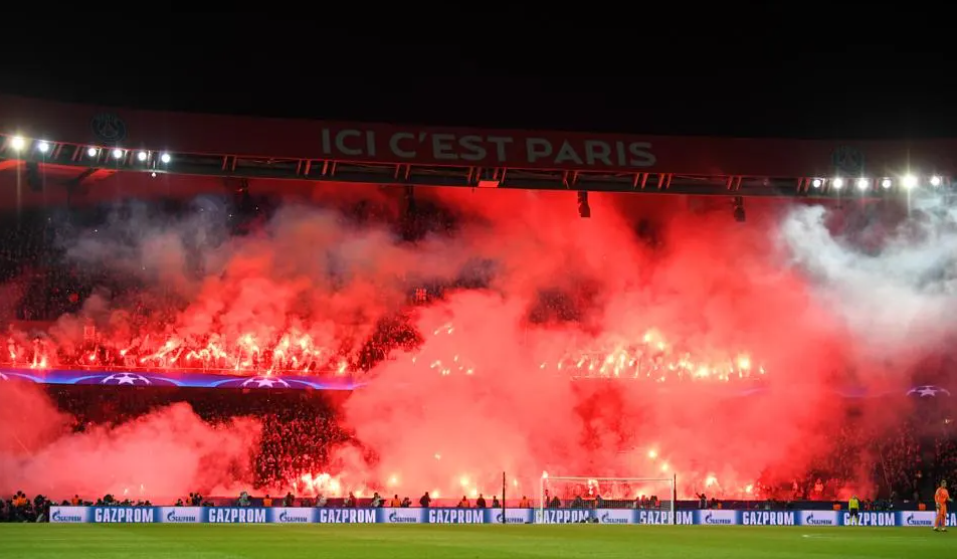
{"points": [[814, 70]]}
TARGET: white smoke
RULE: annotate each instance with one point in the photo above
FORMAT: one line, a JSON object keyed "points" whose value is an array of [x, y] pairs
{"points": [[893, 281]]}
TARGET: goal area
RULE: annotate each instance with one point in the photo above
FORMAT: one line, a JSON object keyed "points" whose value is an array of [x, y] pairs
{"points": [[604, 495]]}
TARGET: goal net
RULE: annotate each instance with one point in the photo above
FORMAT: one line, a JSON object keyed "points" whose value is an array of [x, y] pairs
{"points": [[608, 500]]}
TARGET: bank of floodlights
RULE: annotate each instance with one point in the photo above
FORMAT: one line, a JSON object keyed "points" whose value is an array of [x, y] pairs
{"points": [[906, 182], [21, 144]]}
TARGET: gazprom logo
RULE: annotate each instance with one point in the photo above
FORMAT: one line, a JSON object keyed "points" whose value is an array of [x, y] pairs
{"points": [[502, 518], [58, 516], [811, 521], [912, 521], [456, 516], [284, 516], [926, 519], [347, 516], [609, 519], [173, 517], [237, 515], [875, 519], [658, 517], [767, 518], [396, 518], [123, 514], [710, 519], [564, 516]]}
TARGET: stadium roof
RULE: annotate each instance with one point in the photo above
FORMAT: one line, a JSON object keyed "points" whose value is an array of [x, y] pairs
{"points": [[62, 150]]}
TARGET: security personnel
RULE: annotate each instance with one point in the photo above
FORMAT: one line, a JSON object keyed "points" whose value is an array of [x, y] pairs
{"points": [[854, 506]]}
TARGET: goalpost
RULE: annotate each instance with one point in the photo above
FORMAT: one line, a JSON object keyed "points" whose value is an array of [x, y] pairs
{"points": [[609, 494]]}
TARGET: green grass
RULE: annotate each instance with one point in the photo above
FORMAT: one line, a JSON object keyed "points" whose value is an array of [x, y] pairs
{"points": [[99, 541]]}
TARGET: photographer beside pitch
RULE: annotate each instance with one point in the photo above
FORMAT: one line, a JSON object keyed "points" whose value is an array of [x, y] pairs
{"points": [[941, 498]]}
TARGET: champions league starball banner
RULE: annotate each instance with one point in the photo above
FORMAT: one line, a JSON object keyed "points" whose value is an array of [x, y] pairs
{"points": [[143, 378], [179, 379], [300, 515]]}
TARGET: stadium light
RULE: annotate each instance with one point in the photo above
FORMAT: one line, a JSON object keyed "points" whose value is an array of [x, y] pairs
{"points": [[837, 182], [935, 180], [909, 181], [18, 142], [737, 209], [886, 183], [584, 210], [863, 183], [165, 158], [118, 153], [92, 152], [141, 156], [43, 146], [816, 183]]}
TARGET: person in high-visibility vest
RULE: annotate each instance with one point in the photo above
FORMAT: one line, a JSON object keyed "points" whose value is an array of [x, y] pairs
{"points": [[854, 507]]}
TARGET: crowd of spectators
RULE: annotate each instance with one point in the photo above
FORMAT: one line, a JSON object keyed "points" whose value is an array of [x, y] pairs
{"points": [[31, 264], [300, 429], [20, 508], [901, 463], [295, 442]]}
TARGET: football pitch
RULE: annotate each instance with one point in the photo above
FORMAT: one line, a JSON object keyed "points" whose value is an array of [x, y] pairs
{"points": [[99, 541]]}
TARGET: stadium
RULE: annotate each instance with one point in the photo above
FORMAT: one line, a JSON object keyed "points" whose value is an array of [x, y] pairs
{"points": [[236, 320]]}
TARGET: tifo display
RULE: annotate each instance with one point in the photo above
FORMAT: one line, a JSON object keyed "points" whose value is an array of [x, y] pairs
{"points": [[323, 310], [260, 515]]}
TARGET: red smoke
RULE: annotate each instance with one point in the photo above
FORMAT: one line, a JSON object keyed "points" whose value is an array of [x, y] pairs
{"points": [[714, 291], [160, 456], [693, 304]]}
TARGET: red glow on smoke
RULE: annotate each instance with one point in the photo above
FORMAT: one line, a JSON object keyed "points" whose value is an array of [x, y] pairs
{"points": [[492, 385]]}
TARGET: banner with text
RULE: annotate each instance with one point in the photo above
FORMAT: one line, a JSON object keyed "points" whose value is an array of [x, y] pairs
{"points": [[301, 515]]}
